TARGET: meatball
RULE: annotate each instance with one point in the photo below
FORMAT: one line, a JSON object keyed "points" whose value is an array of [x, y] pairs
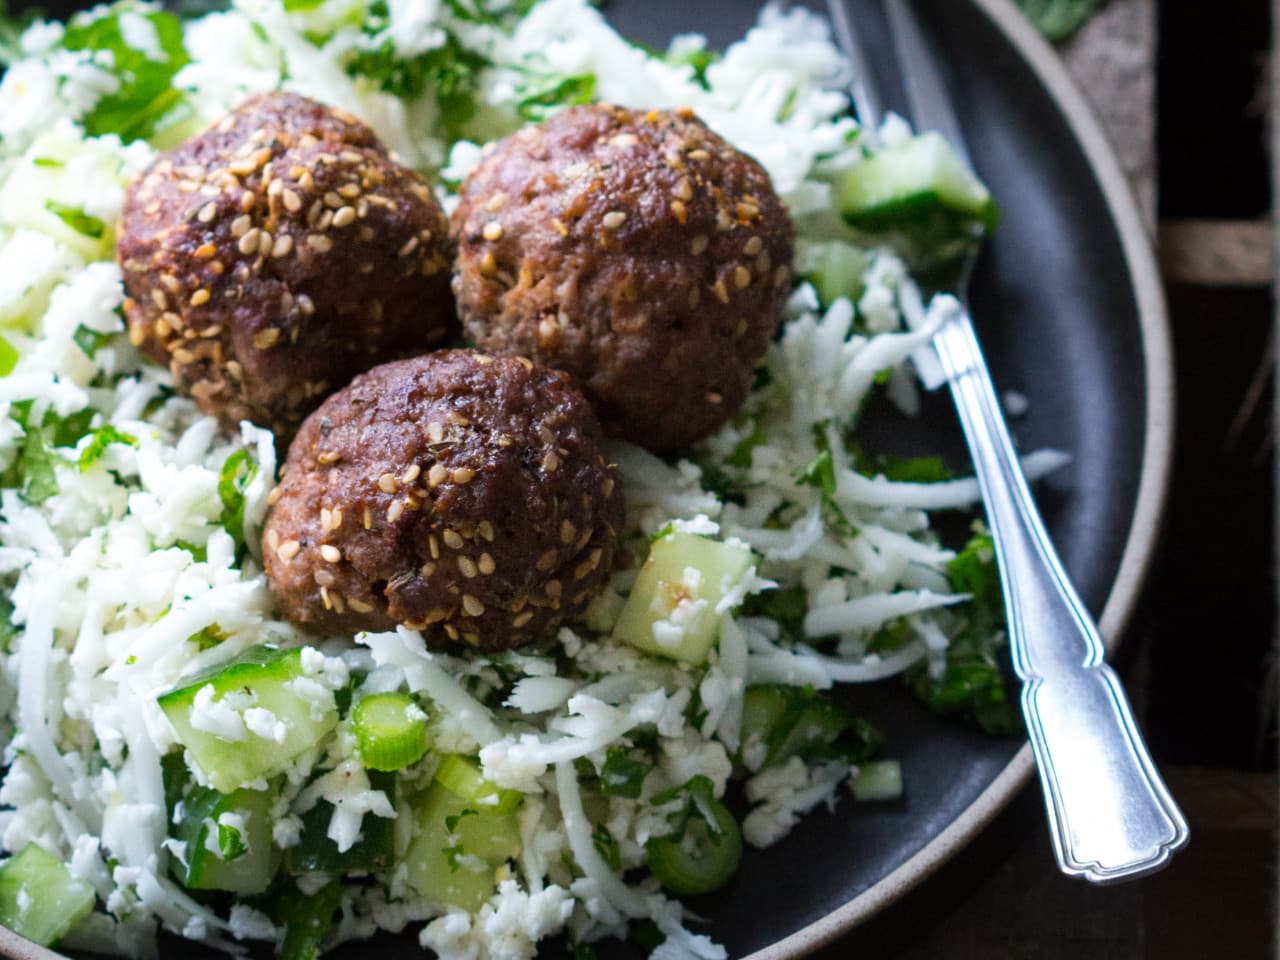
{"points": [[639, 252], [459, 494], [273, 257]]}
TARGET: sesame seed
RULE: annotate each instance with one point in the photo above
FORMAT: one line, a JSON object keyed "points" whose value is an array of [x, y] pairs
{"points": [[306, 304], [546, 561], [319, 242], [699, 244], [559, 227], [722, 292], [437, 614], [463, 475], [409, 246], [753, 246], [614, 219], [434, 546], [486, 564], [486, 530], [714, 398], [747, 211], [488, 264], [292, 202], [350, 190], [366, 518], [471, 606], [206, 251], [394, 511], [200, 297], [207, 213], [333, 199], [451, 631], [436, 475], [274, 496], [324, 595], [249, 242], [288, 550], [283, 246], [467, 566], [699, 155], [567, 531], [266, 338], [492, 231], [581, 571], [764, 263], [553, 588], [435, 431], [551, 462], [359, 606], [387, 483], [159, 299], [684, 189], [679, 211], [410, 474], [741, 277], [184, 356], [522, 619], [452, 539], [344, 217], [495, 202], [330, 553], [428, 569], [240, 225], [607, 487]]}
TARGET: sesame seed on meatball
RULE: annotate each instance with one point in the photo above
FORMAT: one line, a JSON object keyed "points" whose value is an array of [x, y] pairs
{"points": [[639, 252], [274, 256], [458, 494]]}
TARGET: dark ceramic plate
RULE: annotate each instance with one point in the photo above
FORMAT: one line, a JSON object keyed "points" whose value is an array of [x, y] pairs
{"points": [[1068, 305]]}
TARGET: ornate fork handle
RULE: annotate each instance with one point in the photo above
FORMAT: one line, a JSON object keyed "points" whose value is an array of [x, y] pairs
{"points": [[1110, 815]]}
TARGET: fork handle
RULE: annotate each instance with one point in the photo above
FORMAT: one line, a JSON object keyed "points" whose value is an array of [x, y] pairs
{"points": [[1110, 815]]}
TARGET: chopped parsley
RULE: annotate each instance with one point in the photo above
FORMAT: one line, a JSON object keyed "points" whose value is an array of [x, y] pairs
{"points": [[103, 437], [75, 218]]}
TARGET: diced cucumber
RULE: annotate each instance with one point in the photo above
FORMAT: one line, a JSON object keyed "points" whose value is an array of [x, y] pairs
{"points": [[910, 182], [265, 678], [306, 919], [459, 844], [373, 852], [462, 775], [39, 898], [835, 269], [878, 780], [234, 854], [780, 722], [672, 607]]}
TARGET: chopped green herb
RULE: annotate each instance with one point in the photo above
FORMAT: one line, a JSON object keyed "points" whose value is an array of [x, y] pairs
{"points": [[306, 920], [607, 847], [48, 162], [567, 92], [786, 605], [974, 685], [230, 844], [1058, 19], [699, 58], [622, 775], [237, 473], [210, 636], [39, 482], [297, 6], [146, 101], [75, 218], [103, 437], [90, 341]]}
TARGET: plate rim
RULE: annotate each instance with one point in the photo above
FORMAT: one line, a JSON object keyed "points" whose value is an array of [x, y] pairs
{"points": [[1153, 479], [1140, 541]]}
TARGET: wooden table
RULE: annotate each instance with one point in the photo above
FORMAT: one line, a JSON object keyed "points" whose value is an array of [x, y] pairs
{"points": [[1003, 899]]}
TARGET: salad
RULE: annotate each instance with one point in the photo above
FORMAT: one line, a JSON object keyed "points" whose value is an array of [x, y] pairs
{"points": [[183, 758]]}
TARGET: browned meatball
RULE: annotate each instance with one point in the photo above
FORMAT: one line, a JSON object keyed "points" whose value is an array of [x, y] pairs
{"points": [[639, 252], [273, 257], [459, 494]]}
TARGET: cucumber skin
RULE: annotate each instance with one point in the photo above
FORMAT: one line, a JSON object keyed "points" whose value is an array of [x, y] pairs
{"points": [[373, 852], [204, 870], [228, 765], [58, 901], [908, 184], [663, 570]]}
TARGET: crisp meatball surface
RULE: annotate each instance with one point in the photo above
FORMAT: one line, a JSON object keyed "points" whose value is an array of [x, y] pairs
{"points": [[273, 257], [459, 494], [639, 252]]}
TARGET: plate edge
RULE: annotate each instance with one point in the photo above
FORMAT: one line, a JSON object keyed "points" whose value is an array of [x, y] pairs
{"points": [[1153, 478]]}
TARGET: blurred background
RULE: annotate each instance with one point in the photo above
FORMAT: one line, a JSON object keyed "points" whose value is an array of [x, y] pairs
{"points": [[1187, 94]]}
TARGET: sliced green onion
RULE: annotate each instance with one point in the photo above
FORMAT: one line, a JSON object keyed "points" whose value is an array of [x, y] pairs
{"points": [[390, 729], [704, 851], [462, 776], [880, 780]]}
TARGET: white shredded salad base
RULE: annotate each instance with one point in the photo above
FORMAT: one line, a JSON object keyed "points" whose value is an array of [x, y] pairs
{"points": [[115, 576]]}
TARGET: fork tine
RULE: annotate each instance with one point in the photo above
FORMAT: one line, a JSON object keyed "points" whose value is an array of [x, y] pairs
{"points": [[927, 98], [868, 103]]}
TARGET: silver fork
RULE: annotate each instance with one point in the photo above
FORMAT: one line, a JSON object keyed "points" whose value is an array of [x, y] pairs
{"points": [[1110, 816]]}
